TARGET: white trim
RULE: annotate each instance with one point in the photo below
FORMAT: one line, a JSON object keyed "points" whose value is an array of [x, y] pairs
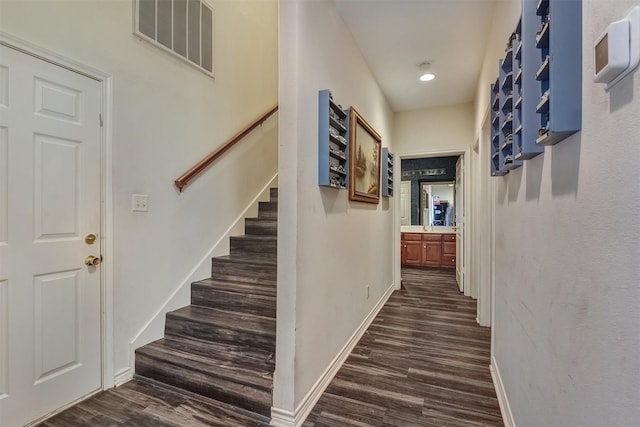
{"points": [[282, 418], [106, 225], [285, 418], [154, 327], [503, 401], [397, 273], [122, 377], [484, 222]]}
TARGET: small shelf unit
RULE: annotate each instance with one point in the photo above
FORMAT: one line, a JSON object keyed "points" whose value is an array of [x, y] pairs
{"points": [[509, 66], [558, 67], [527, 87], [496, 124], [387, 173], [333, 143]]}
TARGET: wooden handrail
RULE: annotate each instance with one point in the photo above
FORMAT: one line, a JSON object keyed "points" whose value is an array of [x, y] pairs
{"points": [[213, 156]]}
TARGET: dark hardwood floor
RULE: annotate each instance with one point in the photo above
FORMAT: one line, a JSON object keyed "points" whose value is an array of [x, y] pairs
{"points": [[146, 403], [424, 361]]}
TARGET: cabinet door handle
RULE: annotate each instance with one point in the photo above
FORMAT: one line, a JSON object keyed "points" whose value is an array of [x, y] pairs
{"points": [[425, 247]]}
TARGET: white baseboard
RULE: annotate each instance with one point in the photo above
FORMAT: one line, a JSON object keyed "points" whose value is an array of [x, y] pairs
{"points": [[285, 418], [180, 297], [122, 377], [505, 409], [282, 418]]}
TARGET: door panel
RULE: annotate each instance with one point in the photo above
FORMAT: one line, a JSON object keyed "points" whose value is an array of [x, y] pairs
{"points": [[460, 222], [405, 202], [49, 200]]}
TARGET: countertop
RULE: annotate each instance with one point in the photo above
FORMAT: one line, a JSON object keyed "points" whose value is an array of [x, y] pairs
{"points": [[424, 229]]}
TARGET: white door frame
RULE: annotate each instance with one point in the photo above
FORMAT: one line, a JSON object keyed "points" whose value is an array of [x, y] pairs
{"points": [[466, 153], [485, 222], [106, 222]]}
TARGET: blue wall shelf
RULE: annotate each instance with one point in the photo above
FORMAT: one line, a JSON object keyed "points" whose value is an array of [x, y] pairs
{"points": [[496, 132], [526, 87], [558, 66], [537, 98], [333, 143], [387, 173]]}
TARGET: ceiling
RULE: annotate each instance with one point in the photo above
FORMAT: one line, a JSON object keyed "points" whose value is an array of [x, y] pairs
{"points": [[396, 35]]}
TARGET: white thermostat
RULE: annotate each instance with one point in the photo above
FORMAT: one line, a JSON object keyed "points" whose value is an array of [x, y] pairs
{"points": [[617, 50]]}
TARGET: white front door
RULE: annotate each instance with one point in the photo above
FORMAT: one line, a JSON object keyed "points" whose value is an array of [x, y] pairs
{"points": [[405, 202], [50, 192], [460, 222]]}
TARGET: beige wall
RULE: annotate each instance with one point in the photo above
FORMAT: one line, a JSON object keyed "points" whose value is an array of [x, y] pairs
{"points": [[166, 116], [567, 242], [434, 129], [329, 249]]}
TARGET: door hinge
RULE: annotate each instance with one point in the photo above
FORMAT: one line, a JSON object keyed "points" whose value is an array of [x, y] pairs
{"points": [[100, 117]]}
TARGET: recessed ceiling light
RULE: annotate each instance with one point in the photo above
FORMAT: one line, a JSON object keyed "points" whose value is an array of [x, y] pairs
{"points": [[424, 74]]}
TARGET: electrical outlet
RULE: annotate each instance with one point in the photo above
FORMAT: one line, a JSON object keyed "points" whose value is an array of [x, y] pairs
{"points": [[139, 202]]}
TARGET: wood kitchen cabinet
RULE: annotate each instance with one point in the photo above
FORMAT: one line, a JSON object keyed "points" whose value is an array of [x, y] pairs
{"points": [[428, 250]]}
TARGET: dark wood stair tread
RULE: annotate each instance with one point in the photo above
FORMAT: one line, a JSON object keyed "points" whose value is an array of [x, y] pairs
{"points": [[256, 358], [253, 259], [209, 411], [231, 370], [256, 237], [226, 319], [267, 288]]}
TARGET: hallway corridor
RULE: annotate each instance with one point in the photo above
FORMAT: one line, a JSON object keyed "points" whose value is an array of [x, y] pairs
{"points": [[424, 361]]}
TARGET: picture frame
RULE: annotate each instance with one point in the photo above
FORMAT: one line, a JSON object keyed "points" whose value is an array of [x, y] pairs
{"points": [[364, 160]]}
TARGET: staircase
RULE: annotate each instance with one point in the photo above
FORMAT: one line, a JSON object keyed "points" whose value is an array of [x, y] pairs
{"points": [[222, 346]]}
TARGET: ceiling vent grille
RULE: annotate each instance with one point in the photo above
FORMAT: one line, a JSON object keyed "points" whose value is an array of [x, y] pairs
{"points": [[182, 27]]}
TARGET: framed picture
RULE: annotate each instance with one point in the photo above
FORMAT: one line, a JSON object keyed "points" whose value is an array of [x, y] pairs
{"points": [[364, 160]]}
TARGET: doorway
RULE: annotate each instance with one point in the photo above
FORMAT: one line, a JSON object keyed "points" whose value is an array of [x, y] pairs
{"points": [[432, 184], [51, 234]]}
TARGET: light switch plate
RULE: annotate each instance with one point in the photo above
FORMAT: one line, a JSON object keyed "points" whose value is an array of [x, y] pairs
{"points": [[139, 202]]}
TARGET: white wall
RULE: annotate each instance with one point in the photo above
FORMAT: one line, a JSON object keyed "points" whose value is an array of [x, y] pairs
{"points": [[432, 129], [567, 293], [329, 249], [167, 116]]}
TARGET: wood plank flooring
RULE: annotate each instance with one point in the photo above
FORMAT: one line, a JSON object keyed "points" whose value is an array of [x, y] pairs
{"points": [[424, 361], [146, 403]]}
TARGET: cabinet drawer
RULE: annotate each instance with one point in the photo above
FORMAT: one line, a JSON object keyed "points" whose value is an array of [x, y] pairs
{"points": [[449, 248], [431, 237], [448, 260], [449, 237], [412, 236]]}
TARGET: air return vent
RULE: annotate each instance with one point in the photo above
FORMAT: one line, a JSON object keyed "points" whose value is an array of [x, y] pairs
{"points": [[182, 27]]}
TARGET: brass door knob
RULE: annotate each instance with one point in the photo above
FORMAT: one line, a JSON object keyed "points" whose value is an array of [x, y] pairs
{"points": [[92, 261], [90, 239]]}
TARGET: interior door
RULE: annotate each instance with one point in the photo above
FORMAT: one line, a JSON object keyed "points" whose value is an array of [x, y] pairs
{"points": [[50, 192], [460, 222], [405, 202]]}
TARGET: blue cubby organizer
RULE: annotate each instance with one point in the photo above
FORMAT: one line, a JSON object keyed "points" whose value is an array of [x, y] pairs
{"points": [[387, 173], [508, 70], [526, 87], [496, 122], [537, 98], [558, 68], [333, 143]]}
